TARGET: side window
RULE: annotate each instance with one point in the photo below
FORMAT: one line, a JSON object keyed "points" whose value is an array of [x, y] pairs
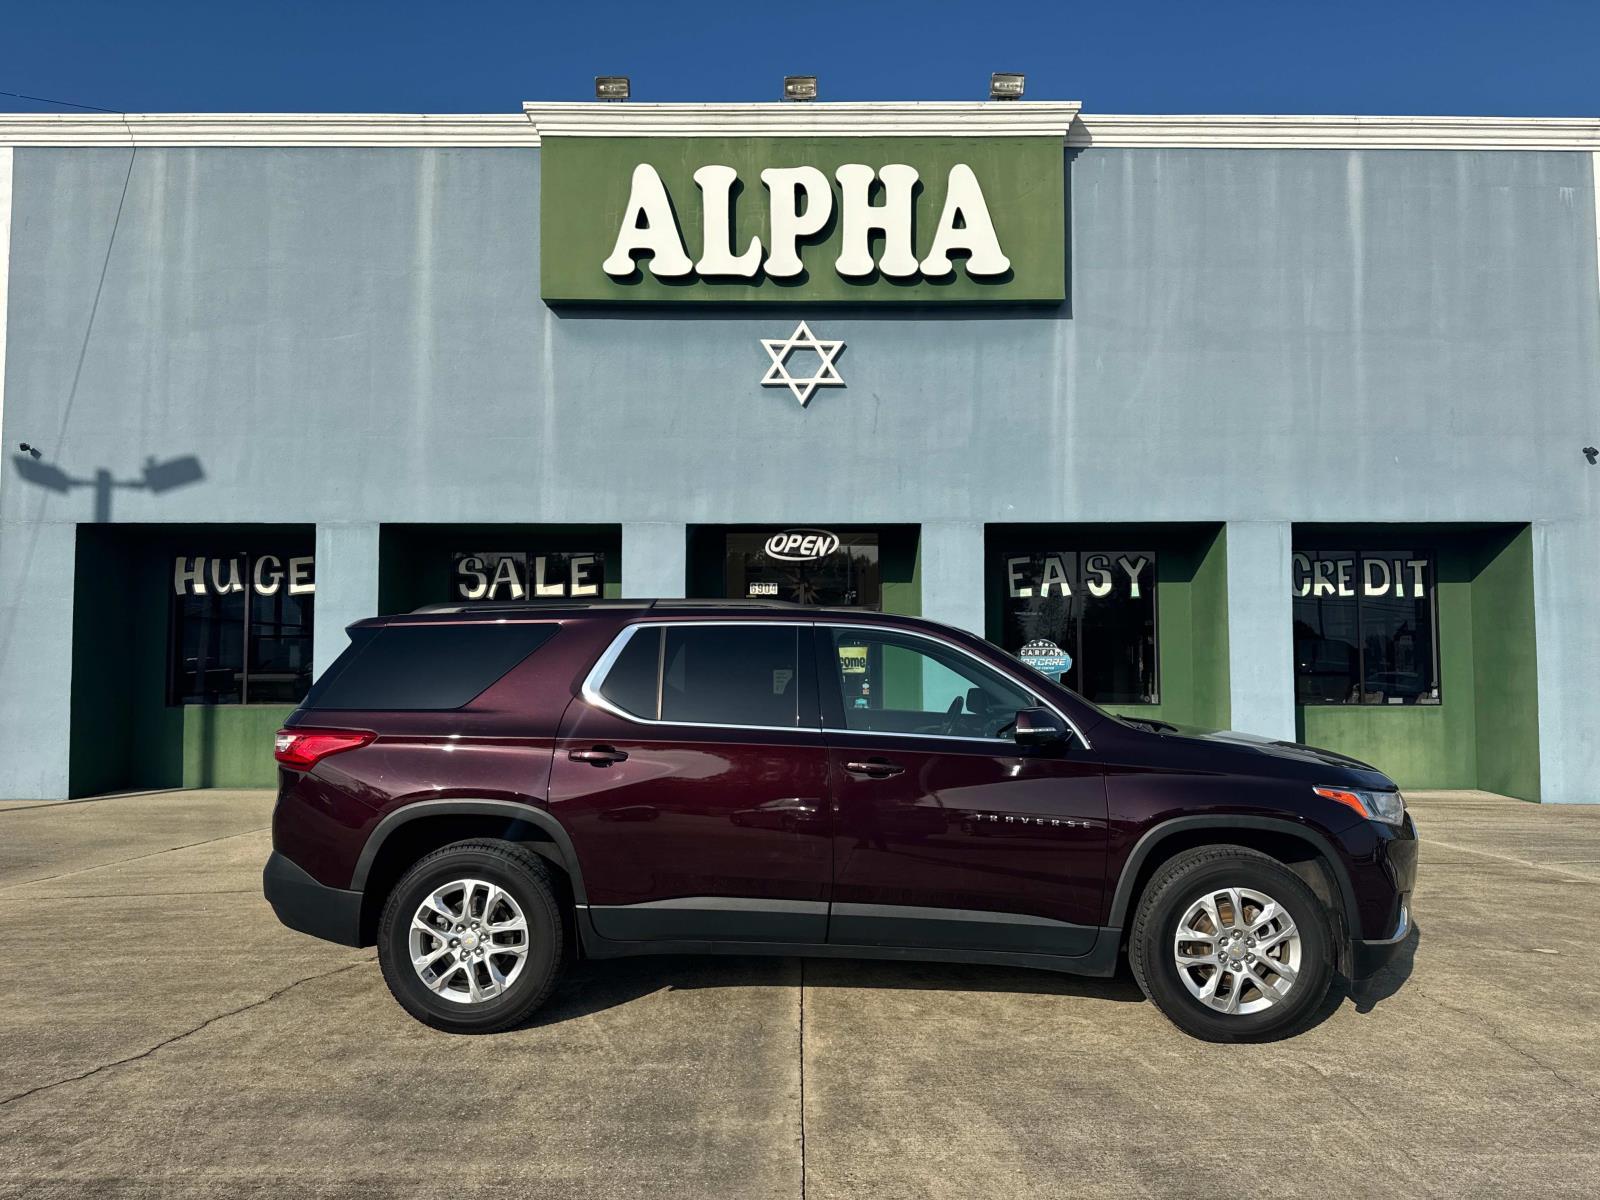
{"points": [[425, 667], [731, 675], [891, 683], [633, 683], [745, 674]]}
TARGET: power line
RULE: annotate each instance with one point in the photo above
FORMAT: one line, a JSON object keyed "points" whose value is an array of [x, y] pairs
{"points": [[64, 103]]}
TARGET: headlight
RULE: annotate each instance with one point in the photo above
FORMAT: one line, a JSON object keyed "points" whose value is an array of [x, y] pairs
{"points": [[1388, 807]]}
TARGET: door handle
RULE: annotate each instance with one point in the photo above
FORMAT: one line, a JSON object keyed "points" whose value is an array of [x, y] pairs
{"points": [[600, 756], [875, 768]]}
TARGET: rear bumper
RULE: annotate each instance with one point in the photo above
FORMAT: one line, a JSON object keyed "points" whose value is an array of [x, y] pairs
{"points": [[310, 907], [1367, 958]]}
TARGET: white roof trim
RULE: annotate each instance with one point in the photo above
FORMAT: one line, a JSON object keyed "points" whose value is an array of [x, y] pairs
{"points": [[265, 129], [1366, 133], [878, 120], [922, 118]]}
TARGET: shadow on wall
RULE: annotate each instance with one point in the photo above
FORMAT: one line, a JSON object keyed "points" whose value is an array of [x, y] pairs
{"points": [[155, 478]]}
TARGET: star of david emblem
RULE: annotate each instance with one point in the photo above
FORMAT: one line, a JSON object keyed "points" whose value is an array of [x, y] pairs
{"points": [[779, 349]]}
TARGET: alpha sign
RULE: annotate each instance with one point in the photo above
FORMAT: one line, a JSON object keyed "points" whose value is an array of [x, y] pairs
{"points": [[802, 219]]}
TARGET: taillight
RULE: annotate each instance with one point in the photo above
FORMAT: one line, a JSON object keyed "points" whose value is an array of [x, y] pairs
{"points": [[303, 749]]}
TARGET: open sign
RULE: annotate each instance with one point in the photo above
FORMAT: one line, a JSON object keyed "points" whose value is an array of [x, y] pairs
{"points": [[802, 545]]}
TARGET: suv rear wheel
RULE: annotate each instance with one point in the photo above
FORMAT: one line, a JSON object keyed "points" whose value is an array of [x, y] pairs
{"points": [[471, 937], [1232, 946]]}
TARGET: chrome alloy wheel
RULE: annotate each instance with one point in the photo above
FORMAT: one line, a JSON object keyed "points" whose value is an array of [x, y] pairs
{"points": [[468, 941], [1237, 950]]}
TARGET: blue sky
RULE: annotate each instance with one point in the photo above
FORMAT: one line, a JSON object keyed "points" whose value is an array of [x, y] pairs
{"points": [[1538, 57]]}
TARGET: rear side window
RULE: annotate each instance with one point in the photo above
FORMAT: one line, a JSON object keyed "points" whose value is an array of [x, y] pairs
{"points": [[710, 675], [412, 668]]}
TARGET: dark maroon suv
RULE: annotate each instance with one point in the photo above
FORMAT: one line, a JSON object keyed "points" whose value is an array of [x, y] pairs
{"points": [[488, 792]]}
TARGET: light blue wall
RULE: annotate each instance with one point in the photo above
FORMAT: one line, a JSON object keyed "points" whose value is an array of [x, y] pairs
{"points": [[355, 336]]}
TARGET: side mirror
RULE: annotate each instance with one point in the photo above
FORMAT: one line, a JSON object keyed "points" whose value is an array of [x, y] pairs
{"points": [[1038, 727]]}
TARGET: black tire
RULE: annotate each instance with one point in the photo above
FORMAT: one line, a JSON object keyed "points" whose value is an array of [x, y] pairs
{"points": [[526, 878], [1182, 882]]}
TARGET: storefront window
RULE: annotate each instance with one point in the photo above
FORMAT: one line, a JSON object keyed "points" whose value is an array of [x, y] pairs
{"points": [[1364, 628], [526, 575], [241, 628], [1087, 618], [805, 566]]}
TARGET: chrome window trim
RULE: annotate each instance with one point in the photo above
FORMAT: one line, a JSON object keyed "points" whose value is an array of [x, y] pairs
{"points": [[590, 690], [948, 645], [602, 667]]}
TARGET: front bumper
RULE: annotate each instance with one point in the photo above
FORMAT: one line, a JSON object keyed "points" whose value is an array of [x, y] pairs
{"points": [[308, 906], [1367, 958]]}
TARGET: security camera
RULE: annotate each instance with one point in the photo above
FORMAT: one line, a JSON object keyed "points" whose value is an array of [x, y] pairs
{"points": [[27, 449]]}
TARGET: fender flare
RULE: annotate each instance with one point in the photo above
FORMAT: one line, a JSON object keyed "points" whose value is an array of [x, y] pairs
{"points": [[1122, 898], [563, 854]]}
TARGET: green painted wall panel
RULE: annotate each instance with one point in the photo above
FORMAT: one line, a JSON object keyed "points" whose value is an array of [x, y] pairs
{"points": [[585, 185], [1191, 607], [1506, 667], [1484, 731]]}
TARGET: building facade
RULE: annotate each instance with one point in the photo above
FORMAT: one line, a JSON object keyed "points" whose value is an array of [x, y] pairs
{"points": [[1275, 424]]}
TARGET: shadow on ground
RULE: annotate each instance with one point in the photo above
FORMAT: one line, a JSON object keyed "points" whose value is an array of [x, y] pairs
{"points": [[596, 985]]}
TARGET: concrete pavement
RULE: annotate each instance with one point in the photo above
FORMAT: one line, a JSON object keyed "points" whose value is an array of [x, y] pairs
{"points": [[161, 1034]]}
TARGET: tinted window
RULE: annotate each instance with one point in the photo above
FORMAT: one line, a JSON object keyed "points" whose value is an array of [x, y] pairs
{"points": [[890, 683], [416, 667], [1086, 618], [1364, 629], [731, 675], [631, 682]]}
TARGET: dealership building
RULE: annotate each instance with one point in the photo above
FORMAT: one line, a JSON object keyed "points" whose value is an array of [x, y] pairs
{"points": [[1283, 424]]}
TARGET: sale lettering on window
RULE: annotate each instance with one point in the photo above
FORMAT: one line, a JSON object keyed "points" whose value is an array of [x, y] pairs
{"points": [[1085, 618], [520, 575]]}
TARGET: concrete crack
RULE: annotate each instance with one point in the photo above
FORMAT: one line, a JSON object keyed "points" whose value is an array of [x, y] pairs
{"points": [[802, 1079], [134, 858], [178, 1037], [1499, 1039]]}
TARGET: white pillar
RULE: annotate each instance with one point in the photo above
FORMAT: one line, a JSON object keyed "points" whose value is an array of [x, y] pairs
{"points": [[1566, 622], [347, 586], [951, 555], [37, 584], [655, 561], [1261, 628]]}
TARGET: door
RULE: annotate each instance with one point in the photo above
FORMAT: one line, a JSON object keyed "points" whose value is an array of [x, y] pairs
{"points": [[946, 832], [692, 778]]}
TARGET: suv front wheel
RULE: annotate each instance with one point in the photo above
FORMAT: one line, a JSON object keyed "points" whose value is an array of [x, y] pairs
{"points": [[1232, 946], [471, 937]]}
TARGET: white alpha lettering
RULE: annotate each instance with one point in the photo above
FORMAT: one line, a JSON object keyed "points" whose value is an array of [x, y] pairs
{"points": [[716, 250], [300, 581], [1100, 581], [505, 573], [1134, 568], [1302, 575], [1014, 579], [1324, 585], [859, 219], [657, 236], [964, 201], [789, 223], [1054, 573], [189, 576], [267, 582], [540, 587], [1417, 565], [234, 583], [471, 582], [1374, 584], [1345, 568], [583, 584]]}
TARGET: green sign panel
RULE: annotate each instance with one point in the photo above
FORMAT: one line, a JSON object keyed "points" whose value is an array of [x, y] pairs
{"points": [[830, 219]]}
